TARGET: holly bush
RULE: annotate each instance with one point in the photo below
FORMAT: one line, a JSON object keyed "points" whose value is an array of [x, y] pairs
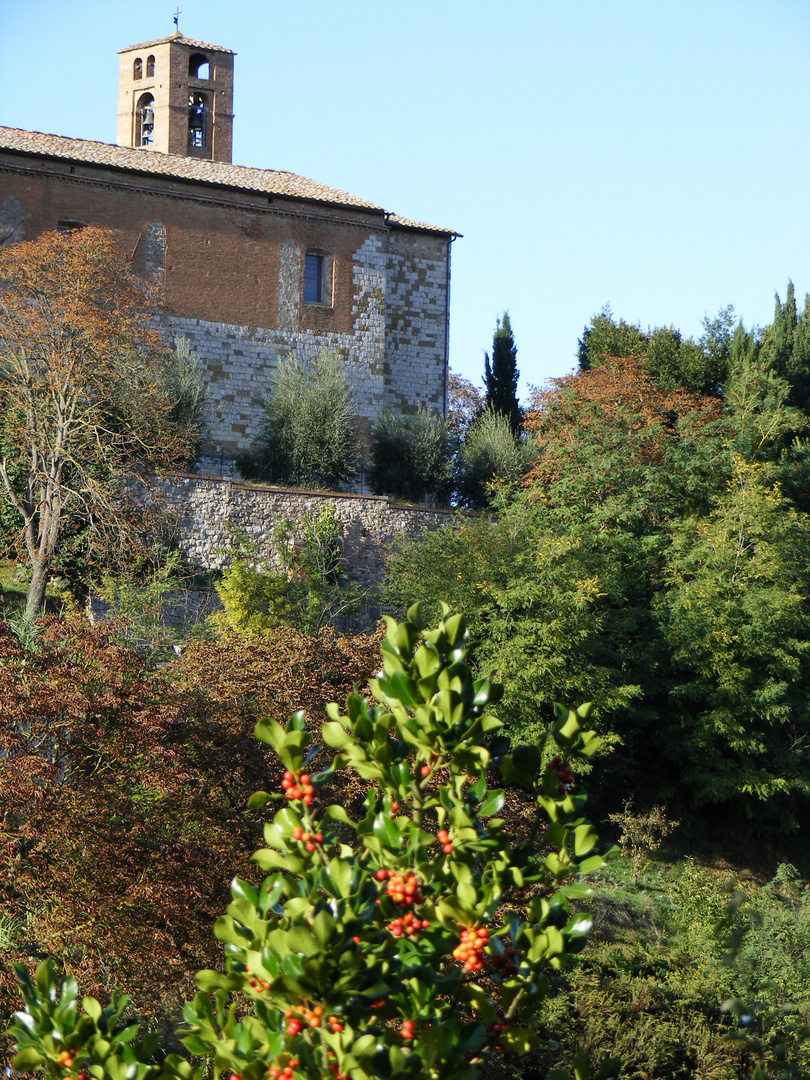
{"points": [[415, 941]]}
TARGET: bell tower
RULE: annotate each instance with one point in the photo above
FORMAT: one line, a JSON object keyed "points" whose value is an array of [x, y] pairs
{"points": [[175, 95]]}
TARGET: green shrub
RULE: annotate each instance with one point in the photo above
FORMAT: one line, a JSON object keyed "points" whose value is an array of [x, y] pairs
{"points": [[186, 386], [309, 433], [302, 587], [490, 452], [412, 456], [414, 940]]}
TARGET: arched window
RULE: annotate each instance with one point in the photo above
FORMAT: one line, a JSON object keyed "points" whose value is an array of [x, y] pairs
{"points": [[145, 120], [137, 69], [198, 66], [150, 67], [197, 117]]}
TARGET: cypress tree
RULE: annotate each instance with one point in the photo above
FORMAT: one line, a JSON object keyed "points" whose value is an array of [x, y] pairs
{"points": [[786, 347], [501, 375]]}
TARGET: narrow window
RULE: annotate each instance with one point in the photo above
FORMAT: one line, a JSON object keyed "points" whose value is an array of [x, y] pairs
{"points": [[137, 69], [196, 120], [145, 120], [313, 279], [150, 67]]}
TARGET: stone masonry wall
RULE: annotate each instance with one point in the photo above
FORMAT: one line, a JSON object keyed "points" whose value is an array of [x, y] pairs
{"points": [[395, 354], [204, 506], [416, 316]]}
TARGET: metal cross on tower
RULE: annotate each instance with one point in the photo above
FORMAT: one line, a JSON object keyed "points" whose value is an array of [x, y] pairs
{"points": [[177, 15]]}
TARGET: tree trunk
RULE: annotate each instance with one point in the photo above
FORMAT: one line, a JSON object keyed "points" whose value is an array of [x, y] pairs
{"points": [[36, 590]]}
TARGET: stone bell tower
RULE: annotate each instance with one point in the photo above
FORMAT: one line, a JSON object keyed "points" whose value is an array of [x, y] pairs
{"points": [[175, 95]]}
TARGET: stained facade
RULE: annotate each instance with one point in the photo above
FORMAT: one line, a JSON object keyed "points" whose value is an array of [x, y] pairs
{"points": [[255, 264]]}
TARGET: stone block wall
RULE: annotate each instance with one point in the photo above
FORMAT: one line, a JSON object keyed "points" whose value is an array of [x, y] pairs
{"points": [[203, 508], [394, 352]]}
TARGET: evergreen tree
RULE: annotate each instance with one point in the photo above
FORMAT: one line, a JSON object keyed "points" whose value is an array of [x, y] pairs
{"points": [[309, 434], [606, 337], [501, 375], [786, 347], [411, 456]]}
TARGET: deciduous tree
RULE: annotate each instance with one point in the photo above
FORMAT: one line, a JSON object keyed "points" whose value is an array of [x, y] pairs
{"points": [[83, 389], [465, 402]]}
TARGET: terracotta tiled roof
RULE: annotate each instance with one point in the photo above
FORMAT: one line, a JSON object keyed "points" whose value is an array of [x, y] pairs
{"points": [[267, 181], [182, 40], [173, 166], [409, 223]]}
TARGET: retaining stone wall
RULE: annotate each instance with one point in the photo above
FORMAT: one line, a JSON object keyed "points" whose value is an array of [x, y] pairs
{"points": [[204, 506]]}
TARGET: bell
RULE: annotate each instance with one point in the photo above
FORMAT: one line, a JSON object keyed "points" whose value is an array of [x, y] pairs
{"points": [[148, 118]]}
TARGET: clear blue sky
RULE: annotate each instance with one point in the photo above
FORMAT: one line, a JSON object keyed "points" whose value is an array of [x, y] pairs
{"points": [[654, 156]]}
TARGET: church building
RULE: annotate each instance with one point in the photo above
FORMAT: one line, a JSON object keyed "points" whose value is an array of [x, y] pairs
{"points": [[255, 264]]}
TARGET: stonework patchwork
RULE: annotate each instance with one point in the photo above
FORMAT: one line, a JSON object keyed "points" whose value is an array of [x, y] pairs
{"points": [[204, 507], [395, 356]]}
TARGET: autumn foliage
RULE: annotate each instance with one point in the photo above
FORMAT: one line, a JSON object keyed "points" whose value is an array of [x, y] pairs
{"points": [[124, 795], [617, 407], [83, 389]]}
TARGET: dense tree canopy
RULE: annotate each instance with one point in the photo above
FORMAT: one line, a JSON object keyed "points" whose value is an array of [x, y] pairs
{"points": [[652, 563], [124, 793]]}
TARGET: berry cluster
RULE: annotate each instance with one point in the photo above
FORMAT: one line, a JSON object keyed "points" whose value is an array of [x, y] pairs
{"points": [[333, 1068], [408, 1029], [66, 1059], [563, 771], [298, 789], [259, 984], [470, 953], [496, 1029], [296, 1020], [281, 1074], [309, 840], [444, 839], [402, 890], [505, 964], [407, 924]]}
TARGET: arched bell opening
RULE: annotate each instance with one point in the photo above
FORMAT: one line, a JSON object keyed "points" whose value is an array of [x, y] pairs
{"points": [[145, 120], [197, 120], [199, 67]]}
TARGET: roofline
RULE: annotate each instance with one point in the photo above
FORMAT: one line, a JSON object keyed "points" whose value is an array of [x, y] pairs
{"points": [[394, 222], [390, 219], [181, 39], [205, 185]]}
